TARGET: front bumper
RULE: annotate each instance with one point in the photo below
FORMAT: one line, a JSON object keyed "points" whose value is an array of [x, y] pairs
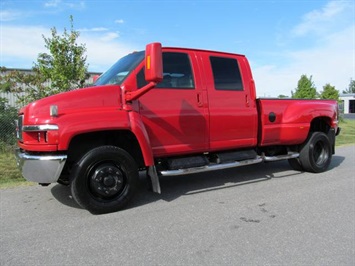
{"points": [[40, 168]]}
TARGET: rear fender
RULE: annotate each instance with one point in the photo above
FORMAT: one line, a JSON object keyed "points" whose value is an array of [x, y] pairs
{"points": [[289, 122]]}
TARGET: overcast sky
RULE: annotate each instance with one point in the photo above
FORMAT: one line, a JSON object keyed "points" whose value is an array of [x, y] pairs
{"points": [[282, 39]]}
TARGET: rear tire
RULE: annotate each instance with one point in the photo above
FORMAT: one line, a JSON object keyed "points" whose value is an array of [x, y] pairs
{"points": [[104, 180], [316, 154]]}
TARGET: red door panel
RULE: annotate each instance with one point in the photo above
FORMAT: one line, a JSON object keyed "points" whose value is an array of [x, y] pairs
{"points": [[232, 111], [175, 114]]}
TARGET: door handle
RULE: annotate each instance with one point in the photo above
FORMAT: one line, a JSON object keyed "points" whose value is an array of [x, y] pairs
{"points": [[199, 99], [246, 100]]}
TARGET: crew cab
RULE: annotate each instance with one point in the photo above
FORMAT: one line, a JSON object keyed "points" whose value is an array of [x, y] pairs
{"points": [[167, 111]]}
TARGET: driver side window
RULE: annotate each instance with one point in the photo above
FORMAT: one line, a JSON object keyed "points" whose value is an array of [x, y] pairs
{"points": [[177, 72]]}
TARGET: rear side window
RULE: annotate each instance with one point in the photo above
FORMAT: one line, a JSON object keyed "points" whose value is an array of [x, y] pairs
{"points": [[226, 73], [177, 72]]}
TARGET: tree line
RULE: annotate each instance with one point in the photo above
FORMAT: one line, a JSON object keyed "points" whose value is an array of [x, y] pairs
{"points": [[307, 90]]}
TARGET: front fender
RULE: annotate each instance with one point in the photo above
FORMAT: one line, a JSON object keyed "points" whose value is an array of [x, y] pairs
{"points": [[102, 119], [138, 129], [75, 124]]}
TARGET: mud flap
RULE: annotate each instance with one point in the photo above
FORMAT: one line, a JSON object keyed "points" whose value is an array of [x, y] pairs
{"points": [[154, 178], [331, 137]]}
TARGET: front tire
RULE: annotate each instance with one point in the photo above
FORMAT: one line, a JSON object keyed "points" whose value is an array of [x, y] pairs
{"points": [[104, 180], [316, 154]]}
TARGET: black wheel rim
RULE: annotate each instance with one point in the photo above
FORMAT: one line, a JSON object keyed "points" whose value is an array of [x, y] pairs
{"points": [[106, 180], [320, 153]]}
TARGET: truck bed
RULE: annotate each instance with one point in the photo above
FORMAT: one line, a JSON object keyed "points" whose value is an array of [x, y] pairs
{"points": [[287, 121]]}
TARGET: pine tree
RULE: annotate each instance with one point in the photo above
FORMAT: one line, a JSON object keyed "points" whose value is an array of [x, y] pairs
{"points": [[305, 89], [329, 92]]}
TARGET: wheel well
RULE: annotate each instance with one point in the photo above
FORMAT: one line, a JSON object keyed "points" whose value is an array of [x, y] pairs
{"points": [[321, 124], [124, 139]]}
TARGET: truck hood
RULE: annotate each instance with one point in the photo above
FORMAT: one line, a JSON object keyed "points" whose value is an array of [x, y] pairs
{"points": [[80, 100]]}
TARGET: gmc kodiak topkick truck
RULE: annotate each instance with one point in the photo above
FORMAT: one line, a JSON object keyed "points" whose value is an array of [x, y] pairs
{"points": [[169, 111]]}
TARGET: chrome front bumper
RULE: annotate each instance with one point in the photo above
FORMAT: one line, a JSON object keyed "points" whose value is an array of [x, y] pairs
{"points": [[40, 168]]}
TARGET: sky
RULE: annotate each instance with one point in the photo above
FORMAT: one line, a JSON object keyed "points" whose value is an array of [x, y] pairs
{"points": [[282, 39]]}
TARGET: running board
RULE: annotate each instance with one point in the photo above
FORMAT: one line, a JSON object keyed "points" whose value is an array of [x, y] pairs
{"points": [[206, 168], [213, 167], [289, 155]]}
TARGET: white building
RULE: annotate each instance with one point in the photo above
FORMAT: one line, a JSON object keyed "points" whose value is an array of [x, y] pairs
{"points": [[348, 103]]}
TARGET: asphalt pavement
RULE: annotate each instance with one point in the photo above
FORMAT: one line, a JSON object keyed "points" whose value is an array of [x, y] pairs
{"points": [[264, 214]]}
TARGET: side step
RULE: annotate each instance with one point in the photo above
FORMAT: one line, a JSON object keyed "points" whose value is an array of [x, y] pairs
{"points": [[289, 155], [210, 167], [220, 166]]}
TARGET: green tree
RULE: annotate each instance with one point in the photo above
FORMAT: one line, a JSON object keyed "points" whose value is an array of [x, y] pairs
{"points": [[27, 86], [305, 89], [8, 115], [62, 69], [329, 92], [351, 88]]}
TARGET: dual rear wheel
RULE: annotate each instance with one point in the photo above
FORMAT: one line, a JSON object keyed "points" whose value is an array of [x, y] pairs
{"points": [[315, 154]]}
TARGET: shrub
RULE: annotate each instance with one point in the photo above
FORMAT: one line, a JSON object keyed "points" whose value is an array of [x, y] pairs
{"points": [[8, 115]]}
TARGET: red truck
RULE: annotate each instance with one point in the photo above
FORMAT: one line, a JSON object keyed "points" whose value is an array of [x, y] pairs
{"points": [[168, 111]]}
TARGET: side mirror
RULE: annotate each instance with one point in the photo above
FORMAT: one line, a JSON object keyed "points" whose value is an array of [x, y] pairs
{"points": [[153, 62], [153, 71]]}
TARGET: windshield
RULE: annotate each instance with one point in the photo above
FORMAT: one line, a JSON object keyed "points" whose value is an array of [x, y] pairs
{"points": [[120, 70]]}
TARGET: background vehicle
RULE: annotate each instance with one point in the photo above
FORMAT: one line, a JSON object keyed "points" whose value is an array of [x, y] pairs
{"points": [[169, 111]]}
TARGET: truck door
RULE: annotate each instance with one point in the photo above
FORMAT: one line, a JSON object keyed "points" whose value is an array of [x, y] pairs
{"points": [[174, 113], [232, 108]]}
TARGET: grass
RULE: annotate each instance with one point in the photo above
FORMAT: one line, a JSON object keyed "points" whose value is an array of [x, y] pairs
{"points": [[10, 176], [347, 133]]}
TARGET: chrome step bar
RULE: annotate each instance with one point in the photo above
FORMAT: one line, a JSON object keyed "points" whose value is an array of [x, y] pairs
{"points": [[212, 167], [289, 155]]}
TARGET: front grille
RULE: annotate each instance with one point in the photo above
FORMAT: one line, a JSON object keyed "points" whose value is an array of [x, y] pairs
{"points": [[19, 124]]}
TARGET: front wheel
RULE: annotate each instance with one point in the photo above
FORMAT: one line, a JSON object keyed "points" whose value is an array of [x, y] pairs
{"points": [[104, 180], [316, 154]]}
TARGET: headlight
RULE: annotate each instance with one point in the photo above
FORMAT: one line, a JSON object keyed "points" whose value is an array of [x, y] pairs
{"points": [[39, 132], [19, 129]]}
